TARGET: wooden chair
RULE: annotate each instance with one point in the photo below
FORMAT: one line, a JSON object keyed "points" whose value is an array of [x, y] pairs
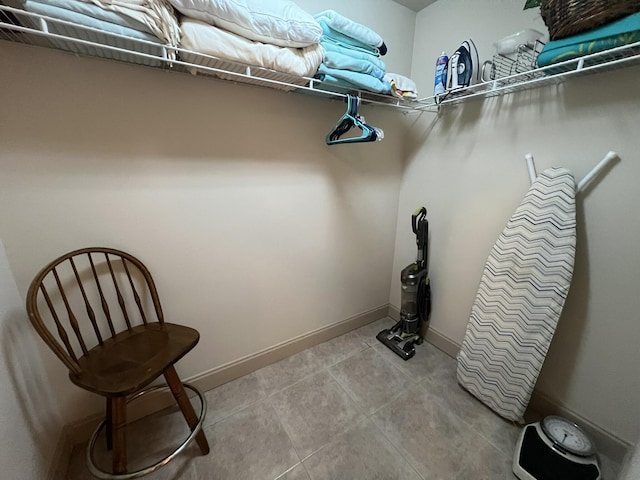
{"points": [[99, 311]]}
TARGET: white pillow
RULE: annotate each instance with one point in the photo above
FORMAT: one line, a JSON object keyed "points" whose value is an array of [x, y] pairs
{"points": [[279, 22]]}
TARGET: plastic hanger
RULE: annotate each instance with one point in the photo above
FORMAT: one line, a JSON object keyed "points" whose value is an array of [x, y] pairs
{"points": [[351, 119]]}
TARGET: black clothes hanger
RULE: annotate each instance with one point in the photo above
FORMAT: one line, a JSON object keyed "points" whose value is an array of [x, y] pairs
{"points": [[350, 120]]}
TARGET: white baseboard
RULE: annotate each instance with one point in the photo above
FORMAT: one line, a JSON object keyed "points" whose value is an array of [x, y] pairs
{"points": [[540, 404], [230, 371], [435, 338], [81, 431]]}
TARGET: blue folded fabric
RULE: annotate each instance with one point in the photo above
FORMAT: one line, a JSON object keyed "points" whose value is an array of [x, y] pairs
{"points": [[345, 62], [337, 38], [99, 13], [349, 79], [614, 34], [329, 81], [83, 18], [354, 31], [357, 54]]}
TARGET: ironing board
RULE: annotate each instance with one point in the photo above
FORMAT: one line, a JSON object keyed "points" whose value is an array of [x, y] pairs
{"points": [[522, 291]]}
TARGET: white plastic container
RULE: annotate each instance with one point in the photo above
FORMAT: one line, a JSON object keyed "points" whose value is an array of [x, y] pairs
{"points": [[510, 43]]}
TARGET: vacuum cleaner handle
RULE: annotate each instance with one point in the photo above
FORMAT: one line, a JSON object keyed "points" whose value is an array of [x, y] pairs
{"points": [[420, 227], [417, 216]]}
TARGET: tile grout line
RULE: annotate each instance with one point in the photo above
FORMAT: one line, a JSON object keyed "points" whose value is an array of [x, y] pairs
{"points": [[237, 410], [337, 436], [345, 430], [442, 404], [400, 450], [418, 383], [415, 383], [284, 427], [328, 365], [347, 391], [369, 416], [306, 377], [279, 477], [344, 389], [282, 423], [395, 367]]}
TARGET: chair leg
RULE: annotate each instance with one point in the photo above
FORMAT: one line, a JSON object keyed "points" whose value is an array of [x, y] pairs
{"points": [[118, 434], [185, 405], [109, 430]]}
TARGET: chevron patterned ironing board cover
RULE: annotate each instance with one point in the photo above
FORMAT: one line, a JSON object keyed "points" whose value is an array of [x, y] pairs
{"points": [[522, 291]]}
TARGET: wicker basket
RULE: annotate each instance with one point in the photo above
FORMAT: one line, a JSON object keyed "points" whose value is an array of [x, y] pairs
{"points": [[569, 17]]}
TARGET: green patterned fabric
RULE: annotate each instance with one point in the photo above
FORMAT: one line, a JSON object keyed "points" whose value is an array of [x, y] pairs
{"points": [[614, 34]]}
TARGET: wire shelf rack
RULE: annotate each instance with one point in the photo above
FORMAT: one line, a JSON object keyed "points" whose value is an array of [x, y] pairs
{"points": [[511, 76], [506, 67], [17, 25]]}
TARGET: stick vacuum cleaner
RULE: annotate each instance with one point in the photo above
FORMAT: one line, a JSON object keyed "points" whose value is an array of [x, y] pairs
{"points": [[416, 296]]}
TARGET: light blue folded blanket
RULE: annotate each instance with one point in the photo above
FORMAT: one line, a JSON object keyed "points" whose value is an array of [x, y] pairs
{"points": [[350, 30], [345, 62], [332, 36], [349, 79], [357, 54], [94, 11], [88, 19], [328, 82]]}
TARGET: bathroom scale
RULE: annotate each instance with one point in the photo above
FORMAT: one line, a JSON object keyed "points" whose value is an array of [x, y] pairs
{"points": [[555, 449], [521, 294]]}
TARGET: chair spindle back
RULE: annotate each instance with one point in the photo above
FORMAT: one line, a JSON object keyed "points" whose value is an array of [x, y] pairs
{"points": [[87, 297]]}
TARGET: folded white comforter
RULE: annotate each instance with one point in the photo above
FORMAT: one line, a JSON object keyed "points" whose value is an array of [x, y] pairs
{"points": [[203, 38], [157, 15]]}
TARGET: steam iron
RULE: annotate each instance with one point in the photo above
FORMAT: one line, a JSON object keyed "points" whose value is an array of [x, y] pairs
{"points": [[475, 62], [464, 66], [416, 296]]}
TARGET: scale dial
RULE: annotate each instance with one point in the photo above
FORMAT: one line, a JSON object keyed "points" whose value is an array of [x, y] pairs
{"points": [[567, 436]]}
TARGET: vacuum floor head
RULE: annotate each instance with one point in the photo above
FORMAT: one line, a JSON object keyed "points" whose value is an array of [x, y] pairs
{"points": [[399, 343]]}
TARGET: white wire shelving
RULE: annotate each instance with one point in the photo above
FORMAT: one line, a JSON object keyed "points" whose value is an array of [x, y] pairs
{"points": [[612, 59], [20, 26]]}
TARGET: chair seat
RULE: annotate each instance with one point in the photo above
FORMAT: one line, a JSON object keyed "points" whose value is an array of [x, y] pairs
{"points": [[134, 358]]}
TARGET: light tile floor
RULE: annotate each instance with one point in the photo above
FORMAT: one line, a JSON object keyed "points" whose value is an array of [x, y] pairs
{"points": [[346, 409]]}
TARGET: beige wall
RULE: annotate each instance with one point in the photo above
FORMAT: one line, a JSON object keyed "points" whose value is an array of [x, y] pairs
{"points": [[467, 167], [30, 423], [631, 466], [256, 230]]}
